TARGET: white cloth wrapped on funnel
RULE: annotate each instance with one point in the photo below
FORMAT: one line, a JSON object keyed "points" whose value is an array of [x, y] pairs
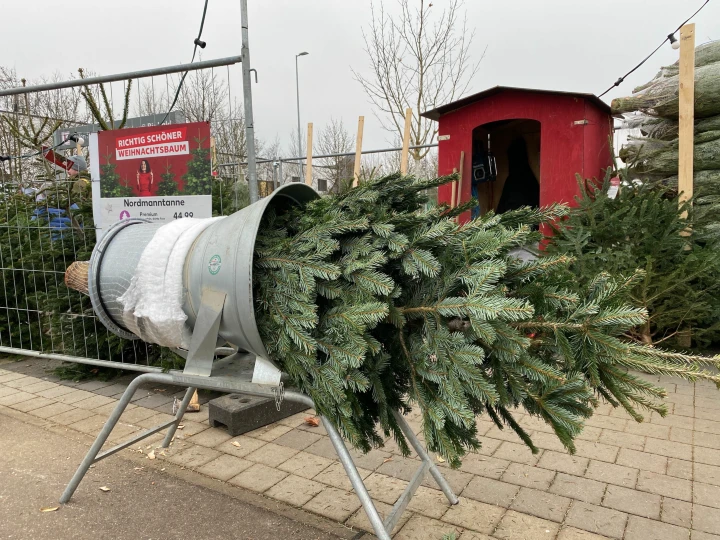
{"points": [[153, 302]]}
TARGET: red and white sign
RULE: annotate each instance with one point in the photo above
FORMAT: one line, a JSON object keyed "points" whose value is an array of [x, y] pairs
{"points": [[156, 173], [161, 143]]}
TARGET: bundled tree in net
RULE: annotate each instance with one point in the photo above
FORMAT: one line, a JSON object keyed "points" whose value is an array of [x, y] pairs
{"points": [[373, 302]]}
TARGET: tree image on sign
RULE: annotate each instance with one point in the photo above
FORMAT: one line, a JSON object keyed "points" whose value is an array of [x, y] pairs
{"points": [[198, 179], [373, 302], [111, 184], [167, 186]]}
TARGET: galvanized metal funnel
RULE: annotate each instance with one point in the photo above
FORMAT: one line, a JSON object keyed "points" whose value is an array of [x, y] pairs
{"points": [[221, 259]]}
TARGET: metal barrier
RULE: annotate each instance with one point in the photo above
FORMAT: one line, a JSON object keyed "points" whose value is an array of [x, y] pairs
{"points": [[46, 216], [46, 224]]}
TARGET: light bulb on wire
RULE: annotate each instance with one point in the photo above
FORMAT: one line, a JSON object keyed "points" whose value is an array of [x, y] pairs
{"points": [[674, 43]]}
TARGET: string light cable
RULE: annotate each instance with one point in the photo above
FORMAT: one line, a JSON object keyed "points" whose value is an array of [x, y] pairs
{"points": [[670, 37], [198, 43]]}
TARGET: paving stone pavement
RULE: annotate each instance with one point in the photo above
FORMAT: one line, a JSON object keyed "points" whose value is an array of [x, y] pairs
{"points": [[658, 480]]}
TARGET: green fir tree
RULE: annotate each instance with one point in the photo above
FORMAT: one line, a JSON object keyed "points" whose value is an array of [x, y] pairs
{"points": [[111, 185], [374, 302], [643, 229], [168, 186], [198, 178]]}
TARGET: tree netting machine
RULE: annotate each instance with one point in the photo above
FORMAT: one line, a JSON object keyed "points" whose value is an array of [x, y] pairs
{"points": [[189, 286]]}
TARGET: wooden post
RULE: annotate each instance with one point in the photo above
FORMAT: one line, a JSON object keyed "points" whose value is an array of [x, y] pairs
{"points": [[406, 142], [358, 150], [453, 192], [308, 167], [687, 113], [686, 135], [458, 199]]}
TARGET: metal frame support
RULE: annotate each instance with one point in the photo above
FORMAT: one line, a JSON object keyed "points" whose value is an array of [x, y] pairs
{"points": [[382, 528], [205, 334], [236, 374]]}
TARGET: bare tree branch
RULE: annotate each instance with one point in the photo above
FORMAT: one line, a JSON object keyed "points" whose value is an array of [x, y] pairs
{"points": [[419, 59]]}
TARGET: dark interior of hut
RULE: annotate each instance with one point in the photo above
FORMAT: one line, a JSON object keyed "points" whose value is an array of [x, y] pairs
{"points": [[506, 165]]}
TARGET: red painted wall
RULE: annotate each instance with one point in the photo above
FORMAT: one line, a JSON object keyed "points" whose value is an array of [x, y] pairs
{"points": [[566, 149]]}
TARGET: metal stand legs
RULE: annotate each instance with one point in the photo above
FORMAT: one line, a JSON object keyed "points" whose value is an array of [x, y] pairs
{"points": [[434, 470], [93, 454], [382, 528]]}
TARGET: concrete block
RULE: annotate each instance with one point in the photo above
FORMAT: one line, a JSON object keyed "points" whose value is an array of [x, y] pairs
{"points": [[241, 413]]}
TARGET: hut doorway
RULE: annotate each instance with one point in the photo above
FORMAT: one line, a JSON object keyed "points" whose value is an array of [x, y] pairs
{"points": [[506, 165]]}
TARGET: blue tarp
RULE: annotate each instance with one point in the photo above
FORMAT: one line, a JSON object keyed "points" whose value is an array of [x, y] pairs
{"points": [[56, 218]]}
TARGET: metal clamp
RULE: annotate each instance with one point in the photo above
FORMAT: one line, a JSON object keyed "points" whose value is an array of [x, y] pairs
{"points": [[279, 393]]}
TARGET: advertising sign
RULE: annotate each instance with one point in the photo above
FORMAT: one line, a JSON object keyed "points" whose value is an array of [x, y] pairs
{"points": [[61, 135], [157, 173]]}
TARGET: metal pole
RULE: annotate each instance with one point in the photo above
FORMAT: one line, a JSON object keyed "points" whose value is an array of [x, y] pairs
{"points": [[247, 98], [81, 360], [124, 76], [178, 416], [297, 94]]}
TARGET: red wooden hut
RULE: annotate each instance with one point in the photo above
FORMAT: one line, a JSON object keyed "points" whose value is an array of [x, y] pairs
{"points": [[565, 134]]}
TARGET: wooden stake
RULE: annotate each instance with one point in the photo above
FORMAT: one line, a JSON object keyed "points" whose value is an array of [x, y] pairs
{"points": [[308, 167], [213, 154], [453, 193], [194, 405], [406, 142], [458, 199], [358, 150], [687, 113]]}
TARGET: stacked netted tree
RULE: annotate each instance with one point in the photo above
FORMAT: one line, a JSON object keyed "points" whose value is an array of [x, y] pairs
{"points": [[373, 302]]}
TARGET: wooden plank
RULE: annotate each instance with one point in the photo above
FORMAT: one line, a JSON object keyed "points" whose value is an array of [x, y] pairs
{"points": [[358, 150], [308, 167], [458, 199], [406, 142], [687, 113], [453, 193], [213, 155]]}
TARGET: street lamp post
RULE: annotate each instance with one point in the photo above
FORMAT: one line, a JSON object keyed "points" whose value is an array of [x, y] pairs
{"points": [[297, 88]]}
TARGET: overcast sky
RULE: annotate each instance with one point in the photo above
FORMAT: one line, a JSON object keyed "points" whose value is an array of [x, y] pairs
{"points": [[572, 45]]}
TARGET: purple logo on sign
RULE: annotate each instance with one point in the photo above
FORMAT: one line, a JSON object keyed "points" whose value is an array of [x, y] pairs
{"points": [[124, 214]]}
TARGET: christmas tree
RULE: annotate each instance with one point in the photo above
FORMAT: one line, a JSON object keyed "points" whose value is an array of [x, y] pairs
{"points": [[111, 185], [372, 302], [198, 178], [167, 186], [644, 228]]}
